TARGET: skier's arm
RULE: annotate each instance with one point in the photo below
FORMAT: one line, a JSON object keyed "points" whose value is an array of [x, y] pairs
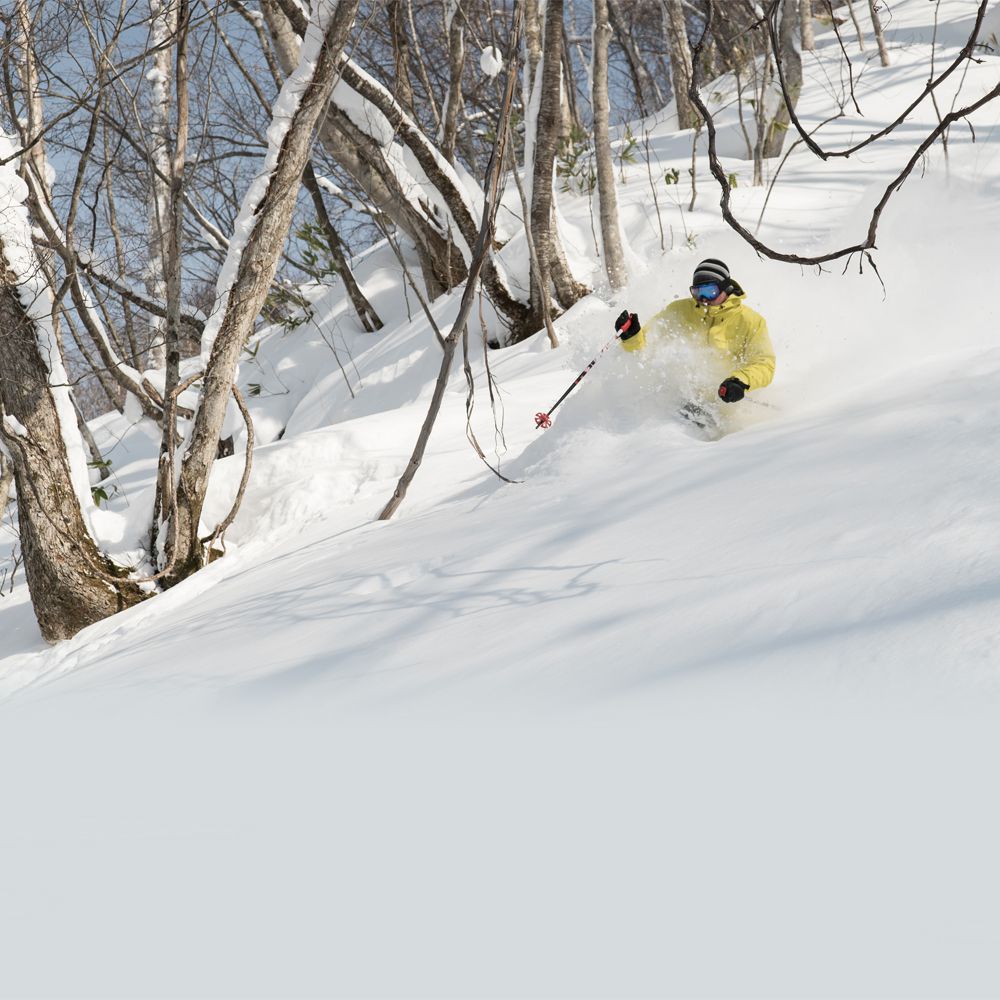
{"points": [[638, 341], [757, 369]]}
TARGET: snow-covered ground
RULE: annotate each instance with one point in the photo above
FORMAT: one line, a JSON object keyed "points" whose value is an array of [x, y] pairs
{"points": [[665, 717]]}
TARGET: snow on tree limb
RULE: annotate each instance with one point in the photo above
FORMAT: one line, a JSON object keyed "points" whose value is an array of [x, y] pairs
{"points": [[36, 298]]}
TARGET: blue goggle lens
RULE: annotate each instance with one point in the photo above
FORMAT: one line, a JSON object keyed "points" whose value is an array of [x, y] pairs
{"points": [[706, 292]]}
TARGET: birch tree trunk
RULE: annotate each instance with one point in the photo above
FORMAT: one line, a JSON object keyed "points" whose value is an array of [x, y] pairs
{"points": [[532, 42], [883, 52], [163, 24], [251, 266], [28, 71], [551, 257], [34, 167], [170, 233], [680, 62], [175, 207], [614, 260], [806, 23]]}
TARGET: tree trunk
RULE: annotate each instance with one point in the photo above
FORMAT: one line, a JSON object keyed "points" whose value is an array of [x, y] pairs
{"points": [[400, 55], [364, 310], [456, 66], [857, 26], [806, 22], [251, 268], [163, 18], [171, 233], [571, 122], [72, 584], [883, 52], [532, 42], [614, 260], [680, 61], [551, 258], [173, 229], [34, 164], [791, 65], [762, 85], [27, 68]]}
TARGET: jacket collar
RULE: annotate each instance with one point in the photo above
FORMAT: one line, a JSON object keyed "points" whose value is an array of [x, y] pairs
{"points": [[731, 304]]}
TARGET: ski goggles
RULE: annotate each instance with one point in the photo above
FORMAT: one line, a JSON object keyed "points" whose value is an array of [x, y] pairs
{"points": [[706, 291]]}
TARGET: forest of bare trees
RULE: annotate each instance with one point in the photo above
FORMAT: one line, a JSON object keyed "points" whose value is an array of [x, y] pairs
{"points": [[176, 170]]}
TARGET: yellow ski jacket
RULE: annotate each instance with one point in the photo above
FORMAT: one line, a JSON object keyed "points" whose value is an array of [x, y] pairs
{"points": [[733, 330]]}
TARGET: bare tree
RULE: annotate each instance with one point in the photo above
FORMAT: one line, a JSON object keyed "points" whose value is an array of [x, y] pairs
{"points": [[857, 26], [493, 189], [680, 61], [806, 22], [883, 52], [614, 260], [357, 153], [400, 55], [545, 108], [364, 310], [163, 29], [72, 583], [867, 242], [169, 231], [456, 64], [647, 91], [250, 268], [791, 62]]}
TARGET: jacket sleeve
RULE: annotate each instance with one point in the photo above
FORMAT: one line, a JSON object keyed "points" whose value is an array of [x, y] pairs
{"points": [[638, 342], [757, 357]]}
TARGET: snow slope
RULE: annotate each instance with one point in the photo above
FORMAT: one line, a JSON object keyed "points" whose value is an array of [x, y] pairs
{"points": [[665, 717]]}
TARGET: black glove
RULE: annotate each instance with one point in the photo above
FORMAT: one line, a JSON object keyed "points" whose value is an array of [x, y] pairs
{"points": [[732, 390], [627, 325]]}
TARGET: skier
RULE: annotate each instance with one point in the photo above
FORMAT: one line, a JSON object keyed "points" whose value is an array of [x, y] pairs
{"points": [[715, 315]]}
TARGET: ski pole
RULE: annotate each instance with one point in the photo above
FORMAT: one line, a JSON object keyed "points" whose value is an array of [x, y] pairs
{"points": [[543, 420]]}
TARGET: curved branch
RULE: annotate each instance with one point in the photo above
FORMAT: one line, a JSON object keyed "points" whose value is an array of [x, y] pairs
{"points": [[932, 84], [869, 242], [223, 526]]}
